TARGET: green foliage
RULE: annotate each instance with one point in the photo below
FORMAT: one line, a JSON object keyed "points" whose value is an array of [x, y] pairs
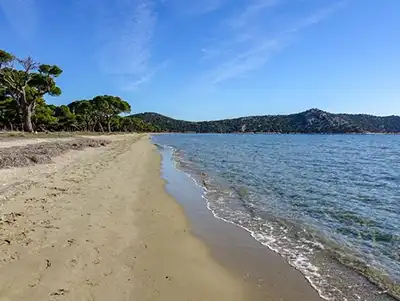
{"points": [[43, 118], [80, 115], [131, 124], [8, 116], [26, 82], [5, 57], [66, 119], [107, 107], [50, 70], [85, 113], [311, 121]]}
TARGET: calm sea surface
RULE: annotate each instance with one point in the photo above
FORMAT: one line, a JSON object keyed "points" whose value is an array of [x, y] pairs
{"points": [[318, 200]]}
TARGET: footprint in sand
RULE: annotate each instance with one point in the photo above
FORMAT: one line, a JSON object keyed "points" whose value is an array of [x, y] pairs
{"points": [[73, 262], [60, 292], [70, 242], [10, 218]]}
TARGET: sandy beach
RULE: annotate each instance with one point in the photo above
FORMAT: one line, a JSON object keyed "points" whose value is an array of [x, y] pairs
{"points": [[97, 224]]}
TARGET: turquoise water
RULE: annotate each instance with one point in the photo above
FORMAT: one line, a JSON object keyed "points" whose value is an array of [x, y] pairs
{"points": [[315, 199]]}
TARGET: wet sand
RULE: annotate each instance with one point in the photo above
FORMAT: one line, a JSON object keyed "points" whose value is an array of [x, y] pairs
{"points": [[268, 275]]}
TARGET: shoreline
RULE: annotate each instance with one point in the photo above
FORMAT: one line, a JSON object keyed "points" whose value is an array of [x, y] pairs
{"points": [[92, 227], [122, 222], [187, 259], [206, 224], [264, 271]]}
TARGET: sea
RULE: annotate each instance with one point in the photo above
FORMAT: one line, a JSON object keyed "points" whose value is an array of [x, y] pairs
{"points": [[328, 204]]}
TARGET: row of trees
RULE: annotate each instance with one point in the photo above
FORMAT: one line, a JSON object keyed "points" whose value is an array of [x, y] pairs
{"points": [[23, 85], [310, 121]]}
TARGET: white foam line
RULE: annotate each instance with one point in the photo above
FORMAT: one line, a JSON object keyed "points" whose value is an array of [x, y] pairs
{"points": [[252, 233]]}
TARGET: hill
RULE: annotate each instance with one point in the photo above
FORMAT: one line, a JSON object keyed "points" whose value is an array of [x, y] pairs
{"points": [[310, 121]]}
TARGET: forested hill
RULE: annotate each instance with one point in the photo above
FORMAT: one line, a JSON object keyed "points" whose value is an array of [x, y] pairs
{"points": [[311, 121]]}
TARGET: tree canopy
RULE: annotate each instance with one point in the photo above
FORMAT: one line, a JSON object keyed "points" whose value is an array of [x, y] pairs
{"points": [[311, 121], [108, 107], [24, 83], [79, 115]]}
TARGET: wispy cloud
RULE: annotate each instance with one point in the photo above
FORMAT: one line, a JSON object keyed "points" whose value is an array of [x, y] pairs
{"points": [[244, 62], [250, 42], [206, 6], [144, 78], [187, 7], [318, 16], [254, 9], [127, 49], [21, 15]]}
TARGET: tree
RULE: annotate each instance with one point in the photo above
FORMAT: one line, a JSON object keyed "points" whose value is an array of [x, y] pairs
{"points": [[44, 118], [8, 113], [27, 81], [131, 124], [85, 113], [108, 107], [66, 119], [5, 58]]}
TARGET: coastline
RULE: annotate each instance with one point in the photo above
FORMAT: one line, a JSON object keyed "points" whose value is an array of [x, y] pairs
{"points": [[99, 225], [173, 254], [264, 272], [121, 222], [237, 247]]}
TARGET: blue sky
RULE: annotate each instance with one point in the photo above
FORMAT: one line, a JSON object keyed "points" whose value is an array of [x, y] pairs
{"points": [[213, 59]]}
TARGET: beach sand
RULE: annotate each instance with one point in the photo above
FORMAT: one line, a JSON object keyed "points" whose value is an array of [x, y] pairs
{"points": [[98, 225]]}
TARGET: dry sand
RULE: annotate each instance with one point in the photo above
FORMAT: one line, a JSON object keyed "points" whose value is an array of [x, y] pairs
{"points": [[11, 142], [98, 225], [42, 153]]}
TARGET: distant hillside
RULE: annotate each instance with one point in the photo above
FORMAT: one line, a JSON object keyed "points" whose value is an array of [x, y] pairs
{"points": [[311, 121]]}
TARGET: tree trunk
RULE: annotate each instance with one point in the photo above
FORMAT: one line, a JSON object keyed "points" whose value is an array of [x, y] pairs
{"points": [[109, 125], [101, 127], [27, 119]]}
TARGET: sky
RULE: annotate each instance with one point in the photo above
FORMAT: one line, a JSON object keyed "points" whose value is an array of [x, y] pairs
{"points": [[213, 59]]}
